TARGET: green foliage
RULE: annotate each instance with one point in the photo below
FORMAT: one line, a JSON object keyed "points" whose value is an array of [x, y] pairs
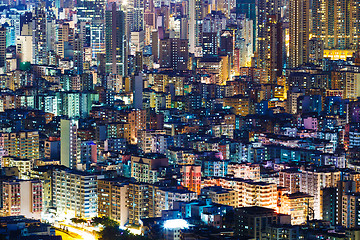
{"points": [[78, 220], [105, 221], [115, 233]]}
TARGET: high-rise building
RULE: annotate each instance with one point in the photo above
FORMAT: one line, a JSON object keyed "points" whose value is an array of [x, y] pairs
{"points": [[134, 16], [2, 47], [330, 201], [210, 44], [221, 195], [268, 12], [299, 28], [226, 43], [352, 85], [249, 193], [312, 181], [88, 154], [336, 23], [240, 104], [195, 25], [290, 178], [23, 165], [244, 43], [316, 49], [350, 210], [44, 174], [146, 139], [115, 41], [92, 12], [136, 122], [87, 82], [248, 9], [69, 154], [39, 51], [78, 55], [166, 198], [24, 48], [60, 40], [274, 48], [335, 200], [174, 54], [75, 193], [71, 101], [244, 171], [251, 222]]}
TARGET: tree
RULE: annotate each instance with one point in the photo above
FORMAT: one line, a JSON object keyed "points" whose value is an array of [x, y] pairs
{"points": [[105, 221], [115, 233], [78, 220], [74, 220]]}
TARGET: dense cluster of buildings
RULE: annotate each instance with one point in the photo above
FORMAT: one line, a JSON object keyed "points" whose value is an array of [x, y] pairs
{"points": [[183, 119]]}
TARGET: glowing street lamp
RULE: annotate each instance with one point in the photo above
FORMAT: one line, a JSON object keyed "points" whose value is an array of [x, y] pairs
{"points": [[176, 224]]}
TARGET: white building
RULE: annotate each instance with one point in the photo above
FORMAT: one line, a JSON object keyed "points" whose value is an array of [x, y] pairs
{"points": [[24, 48], [22, 197], [244, 170], [312, 181], [69, 156], [75, 193], [352, 85]]}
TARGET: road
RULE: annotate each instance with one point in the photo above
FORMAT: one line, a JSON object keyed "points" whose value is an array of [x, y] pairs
{"points": [[83, 234], [66, 236]]}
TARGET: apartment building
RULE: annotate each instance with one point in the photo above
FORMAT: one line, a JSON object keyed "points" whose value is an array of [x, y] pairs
{"points": [[75, 193], [147, 139], [145, 168], [165, 198], [191, 177], [24, 145], [297, 205], [141, 202], [244, 170], [313, 180], [240, 104], [136, 122], [350, 210], [22, 197], [290, 179], [250, 193], [252, 222], [113, 199], [22, 164], [221, 195]]}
